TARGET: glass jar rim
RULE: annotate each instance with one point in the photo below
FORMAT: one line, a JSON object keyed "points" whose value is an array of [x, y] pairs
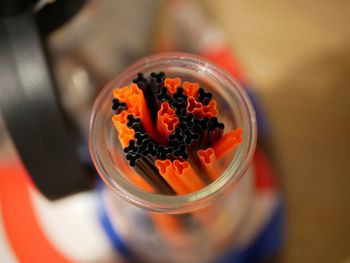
{"points": [[176, 203]]}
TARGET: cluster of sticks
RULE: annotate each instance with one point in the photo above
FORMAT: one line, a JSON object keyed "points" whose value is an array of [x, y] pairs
{"points": [[170, 133]]}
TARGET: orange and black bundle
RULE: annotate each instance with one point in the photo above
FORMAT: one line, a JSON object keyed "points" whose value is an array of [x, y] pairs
{"points": [[171, 133]]}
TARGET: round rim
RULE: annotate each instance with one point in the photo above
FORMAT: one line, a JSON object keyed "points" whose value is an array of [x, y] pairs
{"points": [[176, 203]]}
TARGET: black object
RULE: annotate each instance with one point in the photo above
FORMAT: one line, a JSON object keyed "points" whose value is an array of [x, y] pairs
{"points": [[180, 95], [190, 136], [131, 147], [135, 123], [141, 137], [177, 135], [203, 123], [204, 97], [188, 120], [150, 149], [150, 88], [155, 82], [181, 152], [118, 106], [140, 80], [31, 112], [12, 7], [54, 15], [180, 107], [164, 151], [163, 95], [215, 124], [132, 158]]}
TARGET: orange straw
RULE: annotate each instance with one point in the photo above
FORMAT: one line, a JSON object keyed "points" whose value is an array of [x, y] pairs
{"points": [[121, 93], [120, 120], [138, 181], [208, 160], [210, 110], [227, 143], [188, 176], [140, 99], [172, 84], [135, 99], [200, 111], [190, 88], [167, 125], [195, 107], [167, 171], [166, 121], [165, 108], [170, 227], [166, 224], [125, 135], [135, 178]]}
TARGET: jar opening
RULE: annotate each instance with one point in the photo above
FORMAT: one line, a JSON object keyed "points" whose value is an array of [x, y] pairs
{"points": [[235, 104]]}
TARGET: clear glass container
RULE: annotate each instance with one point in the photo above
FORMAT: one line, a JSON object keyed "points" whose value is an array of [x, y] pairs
{"points": [[196, 227]]}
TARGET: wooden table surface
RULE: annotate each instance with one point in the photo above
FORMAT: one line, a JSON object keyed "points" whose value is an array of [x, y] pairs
{"points": [[297, 57]]}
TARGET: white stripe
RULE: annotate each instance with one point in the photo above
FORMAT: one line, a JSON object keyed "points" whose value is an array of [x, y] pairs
{"points": [[72, 225], [6, 253]]}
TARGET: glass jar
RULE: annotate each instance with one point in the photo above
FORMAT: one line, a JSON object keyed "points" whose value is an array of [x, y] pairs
{"points": [[196, 227]]}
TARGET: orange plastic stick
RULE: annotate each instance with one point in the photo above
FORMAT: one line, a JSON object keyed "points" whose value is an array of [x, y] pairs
{"points": [[167, 171], [172, 84], [120, 120], [201, 111], [137, 180], [188, 176], [195, 107], [192, 103], [26, 236], [227, 143], [121, 93], [170, 227], [198, 112], [167, 224], [190, 88], [135, 99], [145, 116], [170, 123], [165, 108], [166, 121], [166, 125], [208, 159], [210, 110], [136, 110], [125, 135], [134, 177]]}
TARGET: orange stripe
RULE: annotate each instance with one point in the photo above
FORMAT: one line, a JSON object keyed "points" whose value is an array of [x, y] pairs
{"points": [[208, 160], [190, 88], [172, 84], [25, 235], [134, 98], [188, 176], [120, 120], [166, 122], [210, 110], [167, 171], [166, 125], [126, 135], [193, 106], [227, 143]]}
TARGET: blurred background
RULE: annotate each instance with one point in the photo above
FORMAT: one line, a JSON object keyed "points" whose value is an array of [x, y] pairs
{"points": [[295, 58]]}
